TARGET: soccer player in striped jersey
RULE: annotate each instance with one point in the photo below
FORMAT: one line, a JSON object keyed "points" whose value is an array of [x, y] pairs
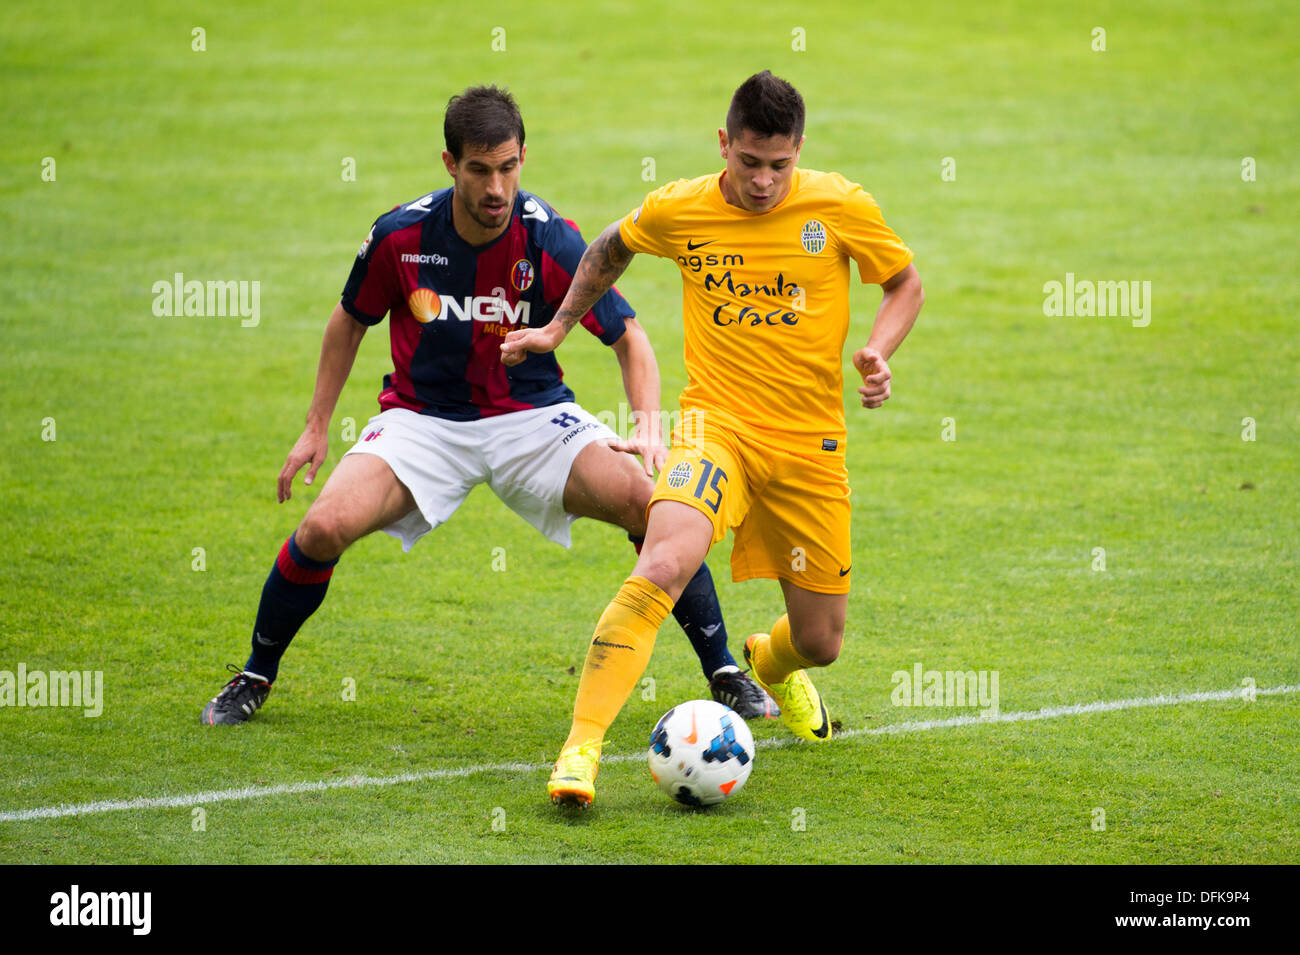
{"points": [[455, 271], [764, 250]]}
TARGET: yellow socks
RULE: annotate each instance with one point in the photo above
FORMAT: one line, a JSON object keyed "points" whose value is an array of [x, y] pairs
{"points": [[776, 658], [618, 655]]}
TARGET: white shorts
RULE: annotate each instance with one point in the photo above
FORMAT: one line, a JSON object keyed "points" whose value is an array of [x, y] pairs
{"points": [[524, 456]]}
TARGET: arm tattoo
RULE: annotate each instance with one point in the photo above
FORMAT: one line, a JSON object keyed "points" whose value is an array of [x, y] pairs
{"points": [[603, 262]]}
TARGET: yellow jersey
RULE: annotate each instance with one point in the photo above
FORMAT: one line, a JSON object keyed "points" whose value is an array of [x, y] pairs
{"points": [[765, 298]]}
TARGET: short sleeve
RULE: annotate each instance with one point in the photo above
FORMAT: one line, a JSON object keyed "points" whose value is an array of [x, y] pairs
{"points": [[643, 228], [369, 292], [864, 237]]}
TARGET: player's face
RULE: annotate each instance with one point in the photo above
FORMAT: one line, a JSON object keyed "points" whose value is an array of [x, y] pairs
{"points": [[486, 182], [759, 169]]}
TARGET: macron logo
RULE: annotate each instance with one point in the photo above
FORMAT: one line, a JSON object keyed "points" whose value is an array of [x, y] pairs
{"points": [[103, 908]]}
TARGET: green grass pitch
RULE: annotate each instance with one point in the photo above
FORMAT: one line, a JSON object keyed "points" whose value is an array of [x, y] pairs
{"points": [[1095, 508]]}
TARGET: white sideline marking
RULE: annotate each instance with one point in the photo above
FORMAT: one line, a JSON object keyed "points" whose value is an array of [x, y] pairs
{"points": [[359, 782]]}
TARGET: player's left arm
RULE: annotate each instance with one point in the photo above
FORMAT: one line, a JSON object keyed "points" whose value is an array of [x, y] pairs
{"points": [[894, 319], [640, 369], [599, 268]]}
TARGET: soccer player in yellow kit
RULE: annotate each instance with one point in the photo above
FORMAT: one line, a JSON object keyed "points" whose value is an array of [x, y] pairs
{"points": [[764, 250]]}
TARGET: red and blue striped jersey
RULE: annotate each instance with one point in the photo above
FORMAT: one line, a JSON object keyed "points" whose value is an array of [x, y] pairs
{"points": [[450, 305]]}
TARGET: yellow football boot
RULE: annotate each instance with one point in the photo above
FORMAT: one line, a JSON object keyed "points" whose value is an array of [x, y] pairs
{"points": [[573, 781], [802, 709]]}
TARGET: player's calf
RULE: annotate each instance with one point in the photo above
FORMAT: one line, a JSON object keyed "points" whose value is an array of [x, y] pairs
{"points": [[293, 591], [814, 622]]}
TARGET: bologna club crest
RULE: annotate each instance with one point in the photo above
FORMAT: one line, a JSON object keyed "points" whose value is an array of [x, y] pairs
{"points": [[521, 276]]}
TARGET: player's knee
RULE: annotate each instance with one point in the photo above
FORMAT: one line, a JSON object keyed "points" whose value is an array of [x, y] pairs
{"points": [[321, 536], [825, 654], [665, 570], [820, 646]]}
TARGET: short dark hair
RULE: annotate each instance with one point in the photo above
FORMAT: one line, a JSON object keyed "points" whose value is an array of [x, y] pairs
{"points": [[766, 105], [482, 116]]}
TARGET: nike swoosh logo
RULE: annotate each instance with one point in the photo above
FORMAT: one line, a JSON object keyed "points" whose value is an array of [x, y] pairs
{"points": [[692, 246], [597, 642], [845, 571], [825, 727], [710, 631], [691, 739]]}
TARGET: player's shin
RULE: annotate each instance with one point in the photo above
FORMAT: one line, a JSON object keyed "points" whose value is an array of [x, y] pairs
{"points": [[292, 593], [699, 614], [619, 653]]}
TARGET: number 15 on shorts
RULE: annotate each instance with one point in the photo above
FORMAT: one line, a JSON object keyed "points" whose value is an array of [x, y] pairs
{"points": [[710, 488]]}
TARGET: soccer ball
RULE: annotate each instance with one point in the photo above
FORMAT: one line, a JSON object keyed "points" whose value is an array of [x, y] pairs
{"points": [[701, 752]]}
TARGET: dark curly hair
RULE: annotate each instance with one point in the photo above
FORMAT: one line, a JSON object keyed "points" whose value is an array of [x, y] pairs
{"points": [[766, 105], [483, 116]]}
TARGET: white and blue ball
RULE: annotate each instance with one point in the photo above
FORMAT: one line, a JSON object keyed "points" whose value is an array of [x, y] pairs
{"points": [[701, 753]]}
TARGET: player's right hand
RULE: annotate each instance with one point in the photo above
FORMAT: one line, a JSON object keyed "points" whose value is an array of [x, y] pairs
{"points": [[873, 368], [538, 340], [651, 450], [310, 448]]}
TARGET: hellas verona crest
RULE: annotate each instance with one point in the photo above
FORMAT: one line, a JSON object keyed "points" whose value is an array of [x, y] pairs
{"points": [[679, 475], [813, 237]]}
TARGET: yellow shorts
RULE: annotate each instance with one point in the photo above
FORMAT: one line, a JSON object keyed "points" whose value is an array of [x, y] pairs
{"points": [[790, 511]]}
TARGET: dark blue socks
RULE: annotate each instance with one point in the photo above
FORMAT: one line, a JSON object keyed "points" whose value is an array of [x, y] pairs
{"points": [[293, 591]]}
